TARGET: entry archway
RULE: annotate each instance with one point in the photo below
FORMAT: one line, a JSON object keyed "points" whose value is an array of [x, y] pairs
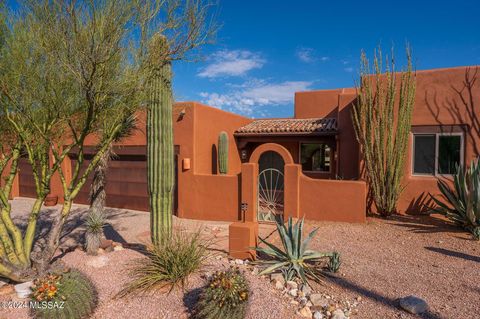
{"points": [[271, 184]]}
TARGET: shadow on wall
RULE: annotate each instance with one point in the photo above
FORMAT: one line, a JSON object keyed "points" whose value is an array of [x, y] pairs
{"points": [[214, 160], [456, 108], [422, 205]]}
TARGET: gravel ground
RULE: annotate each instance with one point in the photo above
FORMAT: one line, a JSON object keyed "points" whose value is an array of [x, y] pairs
{"points": [[382, 260]]}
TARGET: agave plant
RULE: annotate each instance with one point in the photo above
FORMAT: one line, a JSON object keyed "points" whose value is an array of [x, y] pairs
{"points": [[462, 204], [294, 260]]}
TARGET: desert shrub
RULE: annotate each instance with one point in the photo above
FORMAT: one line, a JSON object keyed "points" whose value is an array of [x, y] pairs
{"points": [[462, 204], [168, 264], [225, 296], [334, 262], [294, 260], [93, 233], [68, 295]]}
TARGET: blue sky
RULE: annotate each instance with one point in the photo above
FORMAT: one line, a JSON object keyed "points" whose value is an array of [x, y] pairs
{"points": [[266, 50]]}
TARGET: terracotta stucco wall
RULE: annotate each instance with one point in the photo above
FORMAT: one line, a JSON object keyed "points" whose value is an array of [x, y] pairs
{"points": [[337, 104], [332, 200], [442, 98], [201, 194]]}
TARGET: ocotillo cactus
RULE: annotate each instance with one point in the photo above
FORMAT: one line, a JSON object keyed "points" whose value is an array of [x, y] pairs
{"points": [[223, 152], [160, 159]]}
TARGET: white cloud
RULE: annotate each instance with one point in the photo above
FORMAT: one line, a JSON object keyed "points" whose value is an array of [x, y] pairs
{"points": [[231, 63], [308, 55], [255, 93], [349, 70], [305, 55]]}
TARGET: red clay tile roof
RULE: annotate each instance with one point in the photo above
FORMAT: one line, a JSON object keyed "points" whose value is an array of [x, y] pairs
{"points": [[289, 126]]}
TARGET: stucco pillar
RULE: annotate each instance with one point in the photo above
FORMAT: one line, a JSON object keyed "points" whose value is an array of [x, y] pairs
{"points": [[249, 191], [291, 190], [243, 235]]}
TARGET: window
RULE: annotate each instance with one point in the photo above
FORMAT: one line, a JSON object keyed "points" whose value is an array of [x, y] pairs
{"points": [[315, 157], [437, 153]]}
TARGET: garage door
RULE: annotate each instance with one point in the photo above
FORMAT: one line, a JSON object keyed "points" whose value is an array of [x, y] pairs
{"points": [[126, 183], [26, 181]]}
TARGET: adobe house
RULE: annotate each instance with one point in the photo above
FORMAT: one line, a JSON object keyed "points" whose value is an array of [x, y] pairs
{"points": [[308, 165]]}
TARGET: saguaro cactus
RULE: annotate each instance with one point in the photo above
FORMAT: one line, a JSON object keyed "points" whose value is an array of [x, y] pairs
{"points": [[160, 158], [223, 152]]}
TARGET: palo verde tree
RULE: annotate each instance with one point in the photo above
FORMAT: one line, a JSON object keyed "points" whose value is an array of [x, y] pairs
{"points": [[65, 79], [73, 73], [382, 121]]}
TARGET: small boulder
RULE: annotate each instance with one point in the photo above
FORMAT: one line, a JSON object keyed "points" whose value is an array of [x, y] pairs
{"points": [[305, 312], [238, 261], [278, 285], [277, 277], [413, 304], [292, 285], [293, 292], [105, 243], [306, 290], [118, 248], [318, 300], [338, 314]]}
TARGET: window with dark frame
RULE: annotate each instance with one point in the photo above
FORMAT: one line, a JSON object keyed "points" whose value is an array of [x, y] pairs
{"points": [[315, 157], [437, 153]]}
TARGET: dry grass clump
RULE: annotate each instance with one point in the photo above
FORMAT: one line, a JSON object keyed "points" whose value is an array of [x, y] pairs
{"points": [[168, 264]]}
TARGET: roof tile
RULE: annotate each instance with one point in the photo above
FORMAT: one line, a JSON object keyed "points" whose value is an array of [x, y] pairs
{"points": [[285, 126]]}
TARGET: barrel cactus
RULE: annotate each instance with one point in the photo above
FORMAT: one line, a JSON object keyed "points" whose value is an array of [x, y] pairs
{"points": [[223, 152], [160, 158], [68, 295], [225, 296]]}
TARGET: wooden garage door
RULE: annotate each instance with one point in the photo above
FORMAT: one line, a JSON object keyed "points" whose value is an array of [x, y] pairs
{"points": [[126, 183], [27, 183]]}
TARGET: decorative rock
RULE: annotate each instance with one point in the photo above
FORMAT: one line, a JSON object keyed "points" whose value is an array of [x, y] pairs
{"points": [[238, 261], [303, 301], [317, 315], [278, 285], [292, 285], [277, 277], [294, 302], [318, 300], [358, 299], [105, 243], [101, 251], [118, 248], [293, 292], [306, 290], [305, 312], [338, 314], [413, 304]]}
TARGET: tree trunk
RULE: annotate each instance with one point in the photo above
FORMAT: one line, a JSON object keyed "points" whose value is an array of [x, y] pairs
{"points": [[93, 234]]}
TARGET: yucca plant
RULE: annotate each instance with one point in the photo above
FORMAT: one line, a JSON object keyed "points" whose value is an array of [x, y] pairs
{"points": [[294, 260], [334, 262], [94, 232], [462, 204]]}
